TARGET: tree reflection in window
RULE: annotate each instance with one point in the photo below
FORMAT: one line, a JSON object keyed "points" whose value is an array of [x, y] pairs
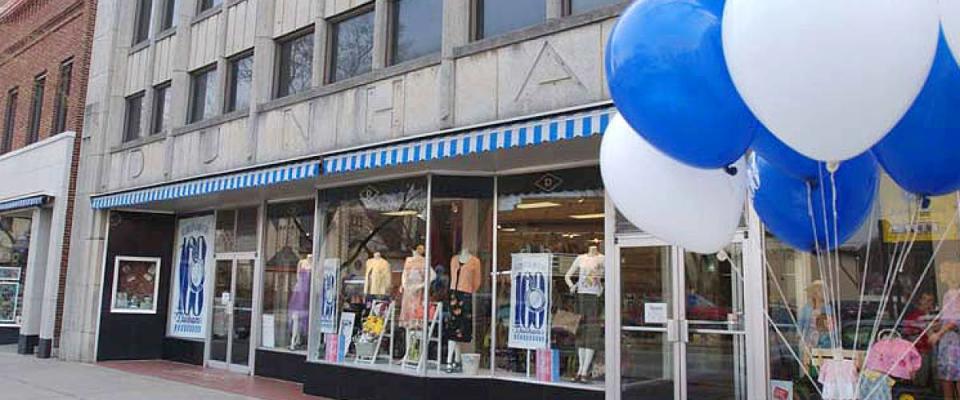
{"points": [[296, 65], [352, 47]]}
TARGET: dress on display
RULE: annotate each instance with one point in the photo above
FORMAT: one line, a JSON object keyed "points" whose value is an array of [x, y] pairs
{"points": [[412, 280], [589, 287], [377, 277], [300, 296], [465, 280], [839, 379]]}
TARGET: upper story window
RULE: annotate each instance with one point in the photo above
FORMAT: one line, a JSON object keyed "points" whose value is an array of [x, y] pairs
{"points": [[10, 120], [168, 15], [161, 108], [36, 109], [351, 46], [131, 122], [295, 67], [238, 82], [141, 29], [204, 5], [63, 97], [416, 28], [495, 17], [203, 94], [579, 6]]}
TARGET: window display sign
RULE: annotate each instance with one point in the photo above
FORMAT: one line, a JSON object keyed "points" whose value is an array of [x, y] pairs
{"points": [[192, 264], [530, 301], [136, 283], [327, 318], [9, 301]]}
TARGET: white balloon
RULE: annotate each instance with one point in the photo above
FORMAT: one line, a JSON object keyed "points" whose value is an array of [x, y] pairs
{"points": [[950, 20], [830, 78], [698, 209]]}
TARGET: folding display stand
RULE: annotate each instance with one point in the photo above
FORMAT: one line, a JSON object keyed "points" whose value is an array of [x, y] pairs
{"points": [[434, 335], [388, 320]]}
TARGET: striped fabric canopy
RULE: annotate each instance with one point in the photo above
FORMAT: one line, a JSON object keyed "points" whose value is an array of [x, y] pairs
{"points": [[25, 202], [216, 184], [529, 132]]}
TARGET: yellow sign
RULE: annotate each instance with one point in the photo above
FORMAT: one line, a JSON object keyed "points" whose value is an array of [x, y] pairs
{"points": [[898, 208]]}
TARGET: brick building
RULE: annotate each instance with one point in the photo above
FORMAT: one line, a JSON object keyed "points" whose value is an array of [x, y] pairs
{"points": [[44, 63]]}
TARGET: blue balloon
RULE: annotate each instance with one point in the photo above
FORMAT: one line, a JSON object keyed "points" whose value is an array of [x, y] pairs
{"points": [[668, 77], [787, 159], [922, 152], [784, 202]]}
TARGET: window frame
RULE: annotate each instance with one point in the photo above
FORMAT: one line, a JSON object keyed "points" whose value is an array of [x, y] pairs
{"points": [[141, 33], [230, 91], [476, 20], [567, 7], [191, 103], [168, 14], [10, 119], [330, 64], [36, 107], [62, 101], [128, 127], [157, 123], [213, 5], [393, 37], [278, 59]]}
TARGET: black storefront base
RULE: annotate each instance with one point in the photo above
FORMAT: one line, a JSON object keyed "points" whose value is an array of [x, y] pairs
{"points": [[9, 335], [281, 365], [27, 344], [347, 383], [184, 351]]}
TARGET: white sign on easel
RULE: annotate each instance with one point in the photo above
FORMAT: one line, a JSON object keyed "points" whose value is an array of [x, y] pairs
{"points": [[530, 301]]}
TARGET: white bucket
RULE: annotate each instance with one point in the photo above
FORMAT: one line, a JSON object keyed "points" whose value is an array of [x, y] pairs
{"points": [[471, 363]]}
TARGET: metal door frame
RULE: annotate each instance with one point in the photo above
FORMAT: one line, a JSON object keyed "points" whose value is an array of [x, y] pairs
{"points": [[234, 259]]}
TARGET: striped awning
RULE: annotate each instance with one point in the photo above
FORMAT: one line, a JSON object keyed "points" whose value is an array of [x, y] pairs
{"points": [[24, 202], [209, 185], [513, 134]]}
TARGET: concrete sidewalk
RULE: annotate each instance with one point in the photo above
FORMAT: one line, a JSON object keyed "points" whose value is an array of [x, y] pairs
{"points": [[30, 378]]}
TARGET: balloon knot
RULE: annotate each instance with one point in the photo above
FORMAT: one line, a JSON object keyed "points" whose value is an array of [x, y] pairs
{"points": [[833, 166], [924, 202], [731, 170]]}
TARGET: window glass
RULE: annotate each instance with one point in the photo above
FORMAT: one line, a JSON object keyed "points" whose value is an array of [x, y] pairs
{"points": [[296, 65], [237, 230], [352, 47], [131, 124], [241, 75], [136, 283], [10, 120], [417, 26], [14, 248], [208, 4], [169, 17], [550, 260], [501, 16], [37, 108], [375, 278], [578, 6], [142, 29], [203, 94], [161, 108], [288, 263], [63, 96], [814, 305]]}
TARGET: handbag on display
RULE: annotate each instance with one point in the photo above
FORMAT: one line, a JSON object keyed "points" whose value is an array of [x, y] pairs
{"points": [[894, 356], [566, 321]]}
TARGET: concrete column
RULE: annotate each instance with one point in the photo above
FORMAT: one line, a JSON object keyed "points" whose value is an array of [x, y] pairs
{"points": [[381, 32], [261, 86], [33, 281], [51, 279], [554, 9], [455, 33], [320, 39]]}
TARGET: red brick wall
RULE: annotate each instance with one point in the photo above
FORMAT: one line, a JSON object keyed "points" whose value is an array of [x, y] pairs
{"points": [[35, 38]]}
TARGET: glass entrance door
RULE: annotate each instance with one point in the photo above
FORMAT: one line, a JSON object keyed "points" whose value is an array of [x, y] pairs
{"points": [[229, 341], [681, 322]]}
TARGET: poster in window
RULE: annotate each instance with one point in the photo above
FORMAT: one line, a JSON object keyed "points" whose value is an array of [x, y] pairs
{"points": [[9, 302], [530, 301], [327, 318], [192, 266], [135, 285]]}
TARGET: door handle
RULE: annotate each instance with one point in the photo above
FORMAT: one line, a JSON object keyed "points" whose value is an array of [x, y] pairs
{"points": [[684, 331], [673, 334]]}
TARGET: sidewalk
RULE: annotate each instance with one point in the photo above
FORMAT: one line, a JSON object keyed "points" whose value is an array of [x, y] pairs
{"points": [[30, 378]]}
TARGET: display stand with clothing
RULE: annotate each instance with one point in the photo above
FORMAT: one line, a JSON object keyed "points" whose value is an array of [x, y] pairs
{"points": [[589, 288], [465, 280]]}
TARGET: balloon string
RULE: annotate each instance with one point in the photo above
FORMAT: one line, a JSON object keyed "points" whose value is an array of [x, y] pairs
{"points": [[836, 252], [829, 282], [793, 354], [817, 252], [863, 280], [926, 269]]}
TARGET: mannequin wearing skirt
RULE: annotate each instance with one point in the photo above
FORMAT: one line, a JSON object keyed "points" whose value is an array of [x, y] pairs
{"points": [[465, 279], [588, 268]]}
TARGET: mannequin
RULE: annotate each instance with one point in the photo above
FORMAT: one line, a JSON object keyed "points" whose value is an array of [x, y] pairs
{"points": [[300, 302], [412, 281], [588, 288], [465, 280], [376, 282]]}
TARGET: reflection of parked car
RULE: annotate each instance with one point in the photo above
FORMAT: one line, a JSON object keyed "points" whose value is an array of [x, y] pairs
{"points": [[699, 308]]}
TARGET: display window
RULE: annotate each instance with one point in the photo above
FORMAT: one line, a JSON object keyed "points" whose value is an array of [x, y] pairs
{"points": [[288, 254], [14, 248], [136, 282], [236, 230], [373, 304], [877, 318], [550, 277]]}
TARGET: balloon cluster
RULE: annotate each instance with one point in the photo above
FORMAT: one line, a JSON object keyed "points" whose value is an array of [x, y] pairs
{"points": [[821, 91]]}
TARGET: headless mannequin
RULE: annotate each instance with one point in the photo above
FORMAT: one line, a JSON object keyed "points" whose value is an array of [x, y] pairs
{"points": [[454, 350], [589, 268], [408, 285], [305, 264], [377, 277]]}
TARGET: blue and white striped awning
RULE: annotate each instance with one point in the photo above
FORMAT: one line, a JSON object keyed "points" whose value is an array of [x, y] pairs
{"points": [[25, 202], [210, 185], [523, 133]]}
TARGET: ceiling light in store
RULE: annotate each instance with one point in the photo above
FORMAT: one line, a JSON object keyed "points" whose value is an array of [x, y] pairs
{"points": [[508, 229], [541, 204], [401, 213], [587, 216]]}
